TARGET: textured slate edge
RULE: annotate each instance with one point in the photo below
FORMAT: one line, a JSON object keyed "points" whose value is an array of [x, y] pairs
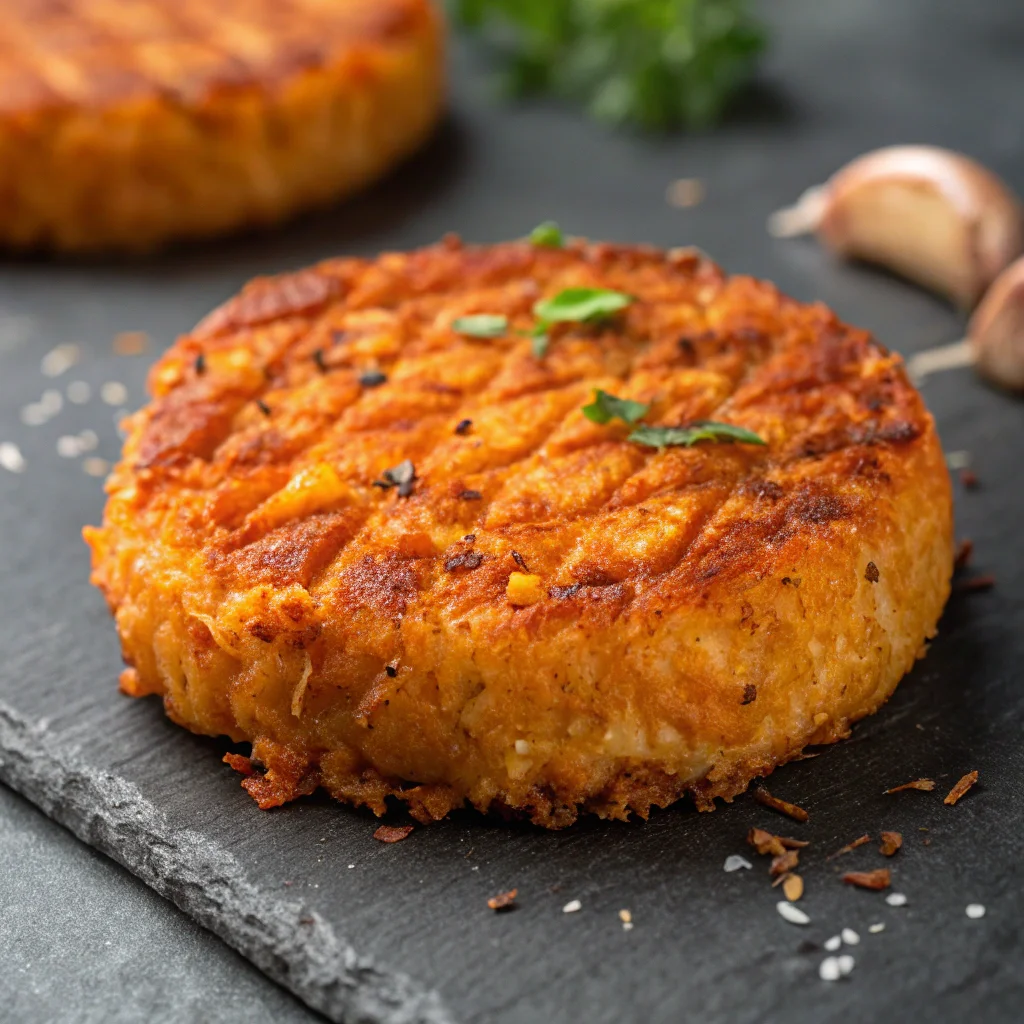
{"points": [[287, 941]]}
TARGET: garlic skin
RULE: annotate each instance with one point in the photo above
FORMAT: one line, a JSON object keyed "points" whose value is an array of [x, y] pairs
{"points": [[996, 331], [931, 215]]}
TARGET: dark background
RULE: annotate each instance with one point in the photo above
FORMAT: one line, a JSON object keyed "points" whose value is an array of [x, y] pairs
{"points": [[81, 939]]}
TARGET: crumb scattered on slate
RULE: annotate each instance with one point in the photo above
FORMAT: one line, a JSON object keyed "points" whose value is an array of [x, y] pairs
{"points": [[130, 343], [877, 879], [969, 479], [763, 797], [572, 906], [964, 550], [976, 583], [860, 841], [504, 900], [960, 788], [392, 833], [924, 784], [891, 842], [793, 888]]}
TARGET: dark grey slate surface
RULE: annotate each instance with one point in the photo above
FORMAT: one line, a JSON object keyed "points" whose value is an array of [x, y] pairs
{"points": [[84, 942], [404, 934]]}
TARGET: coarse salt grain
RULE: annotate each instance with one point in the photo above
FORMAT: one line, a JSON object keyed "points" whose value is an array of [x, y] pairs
{"points": [[52, 401], [828, 970], [975, 910], [876, 928], [572, 906], [69, 447], [11, 458], [88, 440], [114, 393], [522, 747], [958, 460], [79, 392], [59, 360], [896, 899], [34, 415], [95, 466], [734, 862], [850, 937], [846, 963], [794, 915], [833, 944]]}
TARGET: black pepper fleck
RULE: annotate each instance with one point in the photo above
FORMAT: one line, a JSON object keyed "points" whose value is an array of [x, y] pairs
{"points": [[462, 427], [200, 364], [467, 560], [391, 671], [520, 561], [871, 573], [263, 407], [470, 495], [318, 358], [372, 378], [749, 694], [563, 593]]}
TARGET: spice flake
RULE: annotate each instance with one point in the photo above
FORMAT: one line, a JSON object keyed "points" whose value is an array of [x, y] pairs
{"points": [[504, 901], [960, 788], [891, 842], [860, 841], [927, 785], [763, 797], [877, 879]]}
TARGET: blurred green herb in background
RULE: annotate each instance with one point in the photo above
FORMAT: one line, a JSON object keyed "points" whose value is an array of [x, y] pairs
{"points": [[656, 63]]}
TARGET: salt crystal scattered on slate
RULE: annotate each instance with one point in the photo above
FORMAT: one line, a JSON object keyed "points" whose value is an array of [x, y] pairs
{"points": [[734, 862]]}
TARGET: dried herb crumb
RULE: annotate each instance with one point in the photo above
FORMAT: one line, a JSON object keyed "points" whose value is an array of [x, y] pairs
{"points": [[749, 694], [871, 573], [891, 842], [763, 797], [463, 427], [964, 550], [927, 785], [784, 863], [876, 880], [466, 560], [392, 833], [960, 788], [860, 841], [976, 583], [504, 900]]}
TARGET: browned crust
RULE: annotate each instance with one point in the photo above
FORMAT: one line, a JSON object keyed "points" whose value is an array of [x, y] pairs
{"points": [[709, 611]]}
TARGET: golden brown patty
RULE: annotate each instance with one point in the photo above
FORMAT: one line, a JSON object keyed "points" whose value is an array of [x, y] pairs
{"points": [[127, 123], [554, 618]]}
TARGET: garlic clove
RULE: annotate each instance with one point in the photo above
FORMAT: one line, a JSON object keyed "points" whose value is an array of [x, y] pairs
{"points": [[996, 331], [931, 215]]}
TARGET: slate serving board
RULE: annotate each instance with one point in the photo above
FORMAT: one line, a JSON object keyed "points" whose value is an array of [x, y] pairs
{"points": [[404, 934]]}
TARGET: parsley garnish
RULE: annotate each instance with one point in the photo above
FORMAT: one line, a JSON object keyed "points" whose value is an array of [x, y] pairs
{"points": [[547, 235], [606, 407], [580, 305], [657, 63], [699, 430], [481, 325]]}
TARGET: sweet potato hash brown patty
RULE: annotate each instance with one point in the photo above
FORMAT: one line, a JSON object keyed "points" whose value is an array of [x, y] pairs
{"points": [[402, 562], [128, 123]]}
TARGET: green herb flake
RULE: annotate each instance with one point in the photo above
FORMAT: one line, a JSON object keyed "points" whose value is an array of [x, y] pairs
{"points": [[539, 342], [606, 407], [547, 235], [481, 325], [581, 305], [700, 430]]}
